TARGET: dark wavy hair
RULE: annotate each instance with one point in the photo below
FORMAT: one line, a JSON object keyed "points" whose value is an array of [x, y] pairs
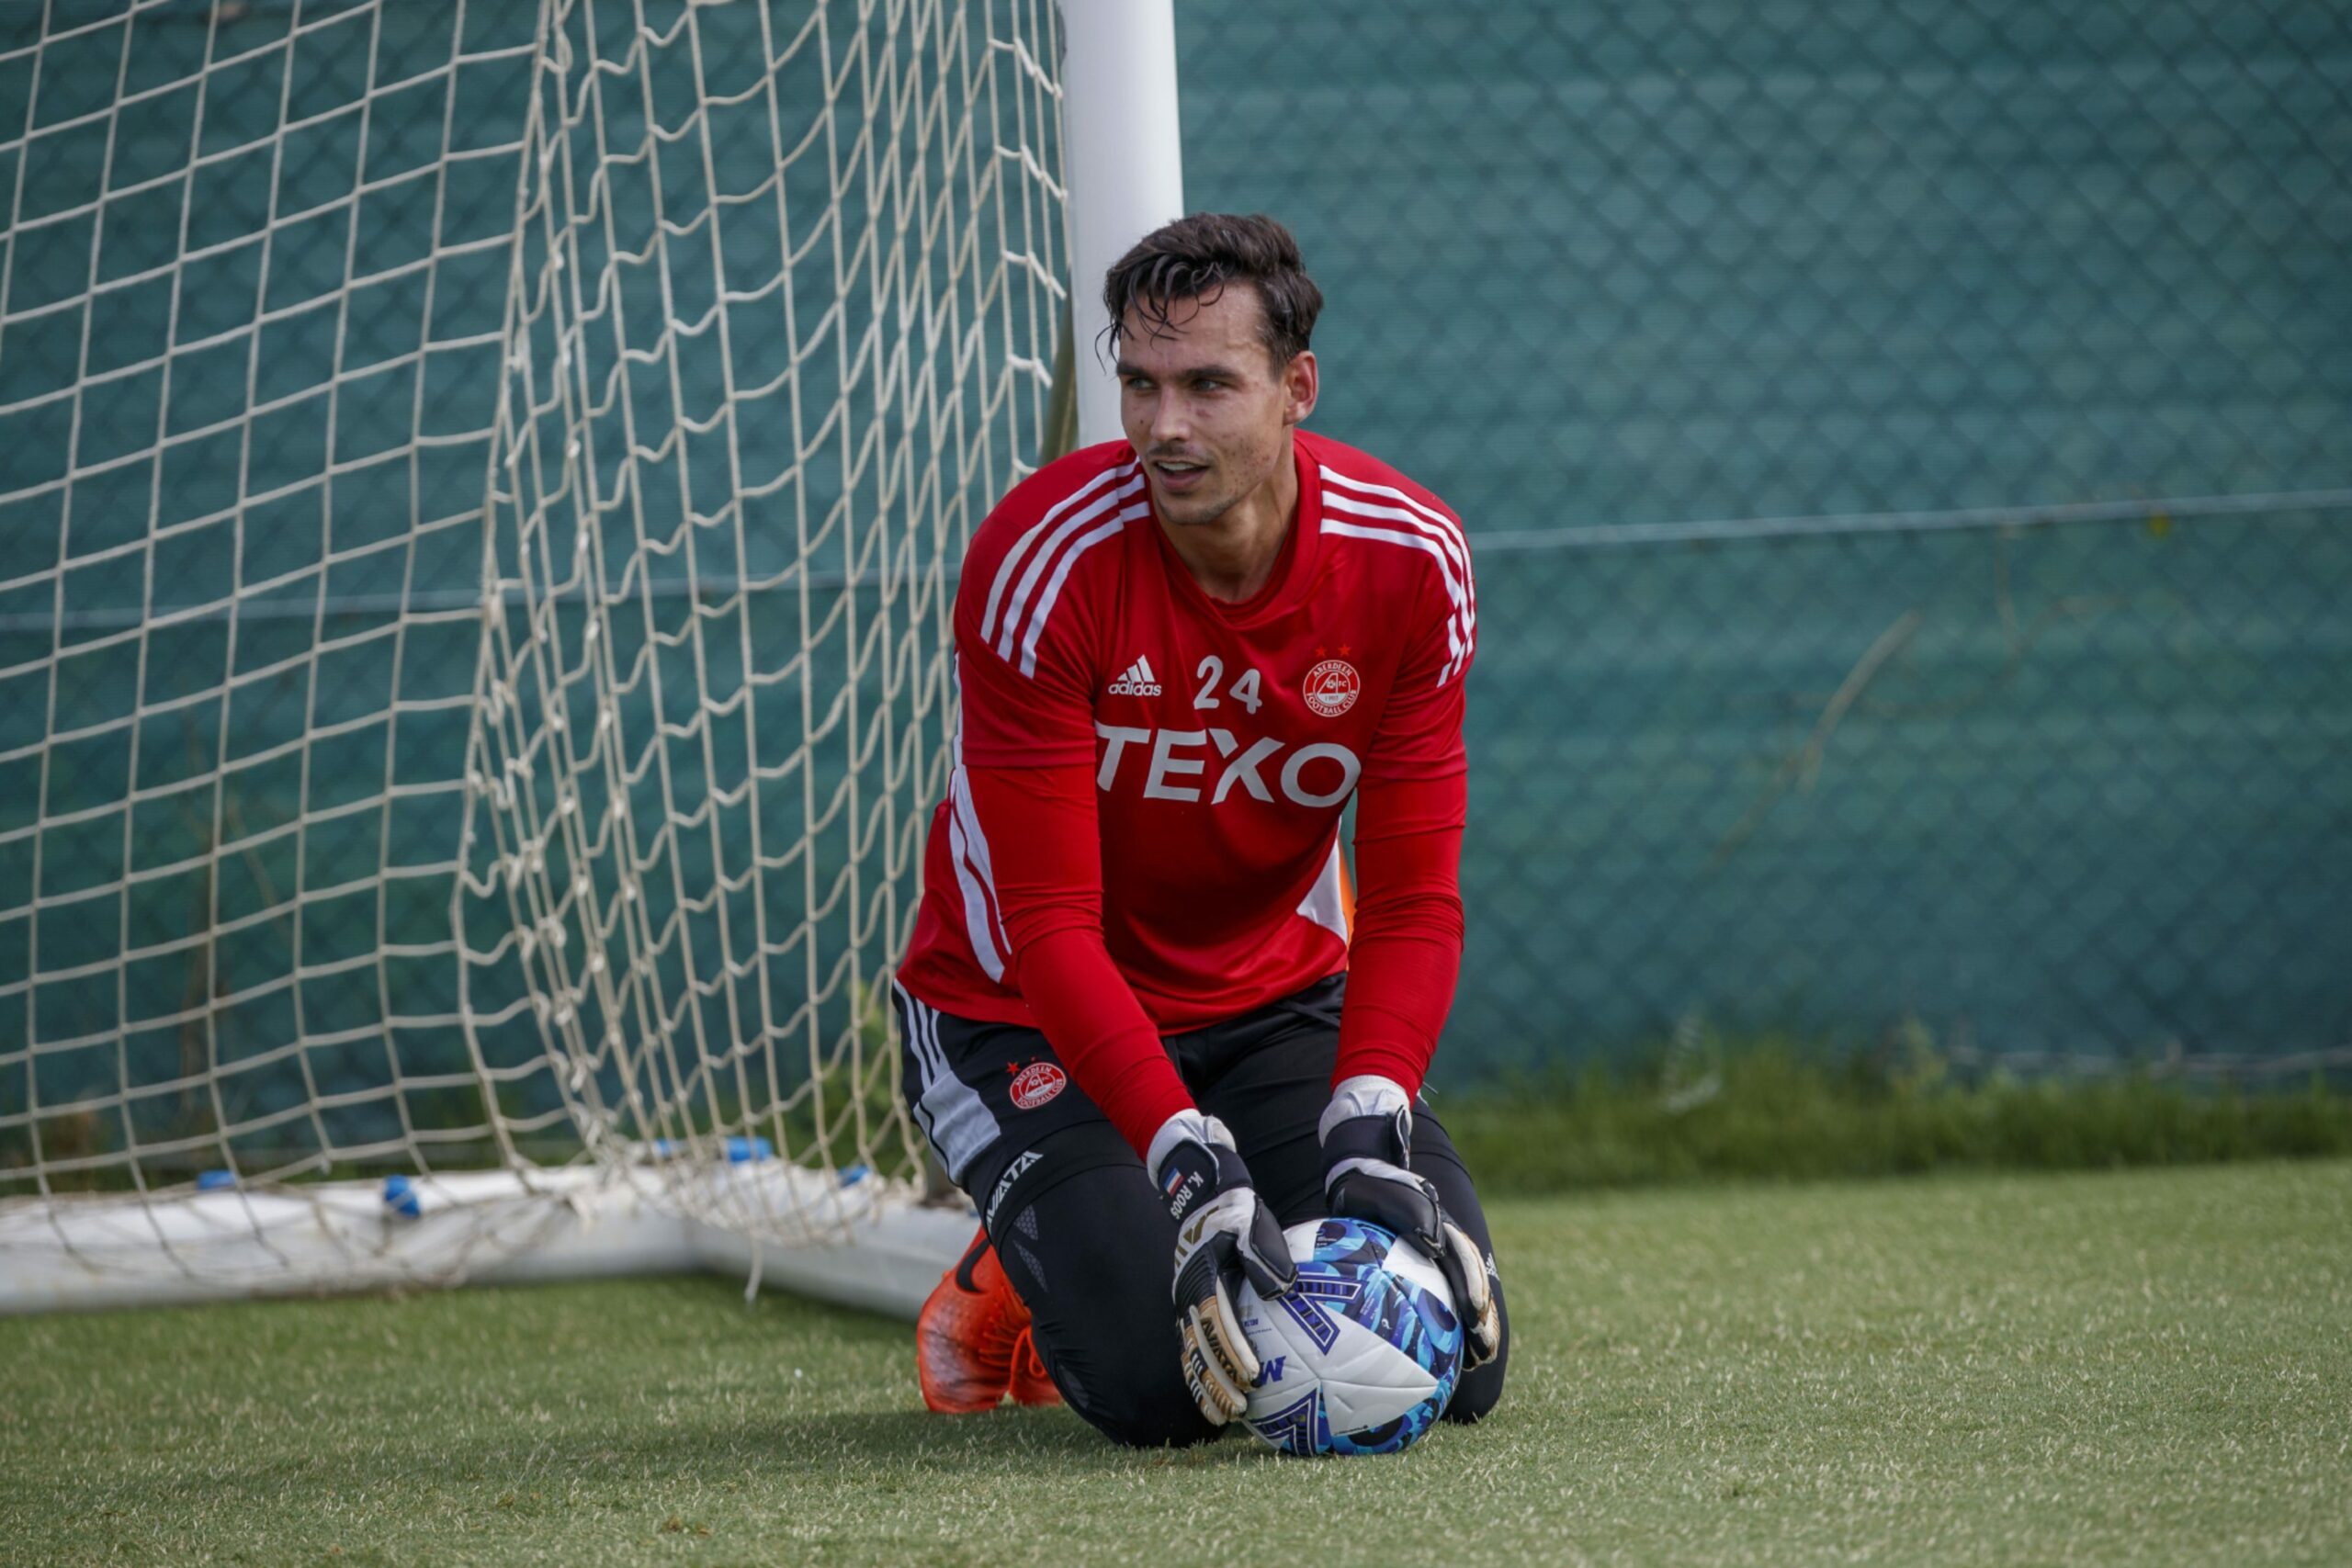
{"points": [[1196, 257]]}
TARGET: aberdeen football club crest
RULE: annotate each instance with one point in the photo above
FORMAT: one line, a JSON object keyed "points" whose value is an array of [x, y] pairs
{"points": [[1035, 1084], [1332, 687]]}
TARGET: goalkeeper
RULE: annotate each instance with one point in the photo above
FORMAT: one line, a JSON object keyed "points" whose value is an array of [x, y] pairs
{"points": [[1143, 1027]]}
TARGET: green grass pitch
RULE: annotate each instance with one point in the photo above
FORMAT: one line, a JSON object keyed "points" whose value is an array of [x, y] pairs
{"points": [[2144, 1367]]}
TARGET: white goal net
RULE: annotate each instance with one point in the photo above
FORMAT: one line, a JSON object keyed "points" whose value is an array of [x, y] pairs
{"points": [[480, 487]]}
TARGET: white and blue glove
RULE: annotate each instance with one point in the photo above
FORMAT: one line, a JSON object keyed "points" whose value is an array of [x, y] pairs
{"points": [[1367, 1134], [1224, 1236]]}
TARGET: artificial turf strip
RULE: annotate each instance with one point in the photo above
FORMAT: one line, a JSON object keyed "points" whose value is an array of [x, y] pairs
{"points": [[2136, 1367]]}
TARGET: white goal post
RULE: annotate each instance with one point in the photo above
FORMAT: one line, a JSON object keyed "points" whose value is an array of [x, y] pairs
{"points": [[480, 491]]}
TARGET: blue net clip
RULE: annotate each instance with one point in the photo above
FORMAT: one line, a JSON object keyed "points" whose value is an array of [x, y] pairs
{"points": [[400, 1197]]}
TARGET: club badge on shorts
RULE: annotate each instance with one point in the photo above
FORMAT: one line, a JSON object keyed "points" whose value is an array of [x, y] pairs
{"points": [[1035, 1084], [1331, 687]]}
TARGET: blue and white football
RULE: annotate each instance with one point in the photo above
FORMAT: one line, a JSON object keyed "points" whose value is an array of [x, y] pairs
{"points": [[1363, 1356]]}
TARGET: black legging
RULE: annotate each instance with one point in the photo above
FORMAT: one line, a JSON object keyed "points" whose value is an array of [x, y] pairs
{"points": [[1089, 1244]]}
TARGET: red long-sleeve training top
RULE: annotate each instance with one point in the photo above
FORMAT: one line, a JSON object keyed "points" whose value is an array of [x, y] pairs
{"points": [[1141, 828]]}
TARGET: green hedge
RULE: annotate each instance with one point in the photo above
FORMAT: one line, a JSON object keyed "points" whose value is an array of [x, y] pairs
{"points": [[1779, 1108]]}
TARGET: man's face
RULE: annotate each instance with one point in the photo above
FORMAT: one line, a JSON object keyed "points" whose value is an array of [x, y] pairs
{"points": [[1205, 405]]}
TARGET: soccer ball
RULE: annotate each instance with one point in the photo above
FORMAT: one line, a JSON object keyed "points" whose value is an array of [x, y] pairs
{"points": [[1363, 1356]]}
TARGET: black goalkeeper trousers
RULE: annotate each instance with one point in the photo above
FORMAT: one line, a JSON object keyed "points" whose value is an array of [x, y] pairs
{"points": [[1084, 1237]]}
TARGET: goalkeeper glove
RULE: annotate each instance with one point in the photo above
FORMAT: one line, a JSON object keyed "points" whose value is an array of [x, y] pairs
{"points": [[1224, 1234], [1367, 1135]]}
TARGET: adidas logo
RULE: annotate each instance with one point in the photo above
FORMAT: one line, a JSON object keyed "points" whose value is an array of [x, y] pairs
{"points": [[1137, 681]]}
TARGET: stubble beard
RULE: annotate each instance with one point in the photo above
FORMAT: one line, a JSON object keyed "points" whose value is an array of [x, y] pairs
{"points": [[1202, 511], [1195, 511]]}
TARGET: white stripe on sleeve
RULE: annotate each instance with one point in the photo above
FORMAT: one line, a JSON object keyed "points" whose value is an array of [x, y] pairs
{"points": [[1036, 531], [1456, 647], [1061, 573], [1007, 630]]}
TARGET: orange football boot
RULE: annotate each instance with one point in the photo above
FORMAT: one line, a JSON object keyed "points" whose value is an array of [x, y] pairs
{"points": [[969, 1334], [1032, 1383]]}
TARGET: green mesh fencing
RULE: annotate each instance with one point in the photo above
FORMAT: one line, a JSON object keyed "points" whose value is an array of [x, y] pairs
{"points": [[1907, 448]]}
